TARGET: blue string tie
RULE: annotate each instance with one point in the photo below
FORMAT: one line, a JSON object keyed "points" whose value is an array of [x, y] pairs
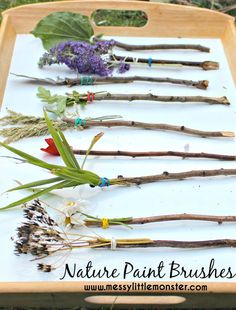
{"points": [[80, 122], [104, 182], [89, 80], [81, 80], [150, 62]]}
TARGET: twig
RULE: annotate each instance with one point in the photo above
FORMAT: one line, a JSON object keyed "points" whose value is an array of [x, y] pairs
{"points": [[205, 65], [172, 176], [139, 47], [95, 80], [153, 126], [105, 96], [161, 218], [157, 154]]}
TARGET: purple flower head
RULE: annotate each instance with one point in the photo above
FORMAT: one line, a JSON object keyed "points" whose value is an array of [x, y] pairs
{"points": [[80, 56], [123, 67]]}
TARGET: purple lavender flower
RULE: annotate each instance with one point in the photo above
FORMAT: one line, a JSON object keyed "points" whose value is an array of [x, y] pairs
{"points": [[123, 67], [80, 56]]}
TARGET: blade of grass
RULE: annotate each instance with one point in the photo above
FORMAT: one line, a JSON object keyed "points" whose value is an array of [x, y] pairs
{"points": [[35, 195], [29, 158], [76, 176], [68, 150], [35, 184], [57, 140]]}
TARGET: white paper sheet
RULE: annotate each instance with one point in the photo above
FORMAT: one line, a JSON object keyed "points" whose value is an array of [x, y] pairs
{"points": [[208, 196]]}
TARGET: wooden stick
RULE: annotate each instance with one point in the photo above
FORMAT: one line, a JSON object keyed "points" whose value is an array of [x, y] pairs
{"points": [[162, 218], [205, 65], [184, 217], [129, 47], [96, 80], [172, 176], [153, 126], [105, 96], [157, 154], [139, 47]]}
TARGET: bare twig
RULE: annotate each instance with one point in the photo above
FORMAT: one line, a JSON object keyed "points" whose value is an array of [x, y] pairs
{"points": [[139, 47], [157, 154], [153, 126], [172, 176]]}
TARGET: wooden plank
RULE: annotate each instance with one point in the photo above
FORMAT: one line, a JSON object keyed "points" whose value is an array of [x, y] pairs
{"points": [[7, 41]]}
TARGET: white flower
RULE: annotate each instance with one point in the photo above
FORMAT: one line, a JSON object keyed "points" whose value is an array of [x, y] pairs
{"points": [[70, 213]]}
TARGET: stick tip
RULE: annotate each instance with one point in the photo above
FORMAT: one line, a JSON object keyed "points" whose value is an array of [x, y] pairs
{"points": [[210, 65], [225, 100], [203, 84], [228, 134]]}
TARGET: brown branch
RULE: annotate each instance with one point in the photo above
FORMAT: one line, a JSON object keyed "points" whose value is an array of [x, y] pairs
{"points": [[172, 176], [157, 154], [151, 97], [183, 217], [139, 47], [153, 126], [129, 47], [205, 65]]}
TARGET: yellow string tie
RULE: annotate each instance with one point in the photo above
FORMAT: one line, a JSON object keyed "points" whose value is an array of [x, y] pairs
{"points": [[105, 223]]}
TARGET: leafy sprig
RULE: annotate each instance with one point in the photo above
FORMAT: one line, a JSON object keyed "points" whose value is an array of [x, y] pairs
{"points": [[58, 103], [70, 175]]}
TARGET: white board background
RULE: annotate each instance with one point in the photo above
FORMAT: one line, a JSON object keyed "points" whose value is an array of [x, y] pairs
{"points": [[208, 196]]}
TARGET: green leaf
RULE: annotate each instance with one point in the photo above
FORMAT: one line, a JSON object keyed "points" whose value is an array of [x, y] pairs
{"points": [[29, 158], [63, 26], [78, 176], [35, 184], [35, 195], [59, 144], [68, 150], [61, 105]]}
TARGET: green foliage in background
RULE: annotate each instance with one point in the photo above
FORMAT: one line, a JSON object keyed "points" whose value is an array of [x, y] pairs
{"points": [[137, 19]]}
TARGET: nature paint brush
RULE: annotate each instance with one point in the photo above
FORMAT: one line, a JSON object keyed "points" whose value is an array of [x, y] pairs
{"points": [[72, 175], [23, 126], [100, 80], [75, 97]]}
